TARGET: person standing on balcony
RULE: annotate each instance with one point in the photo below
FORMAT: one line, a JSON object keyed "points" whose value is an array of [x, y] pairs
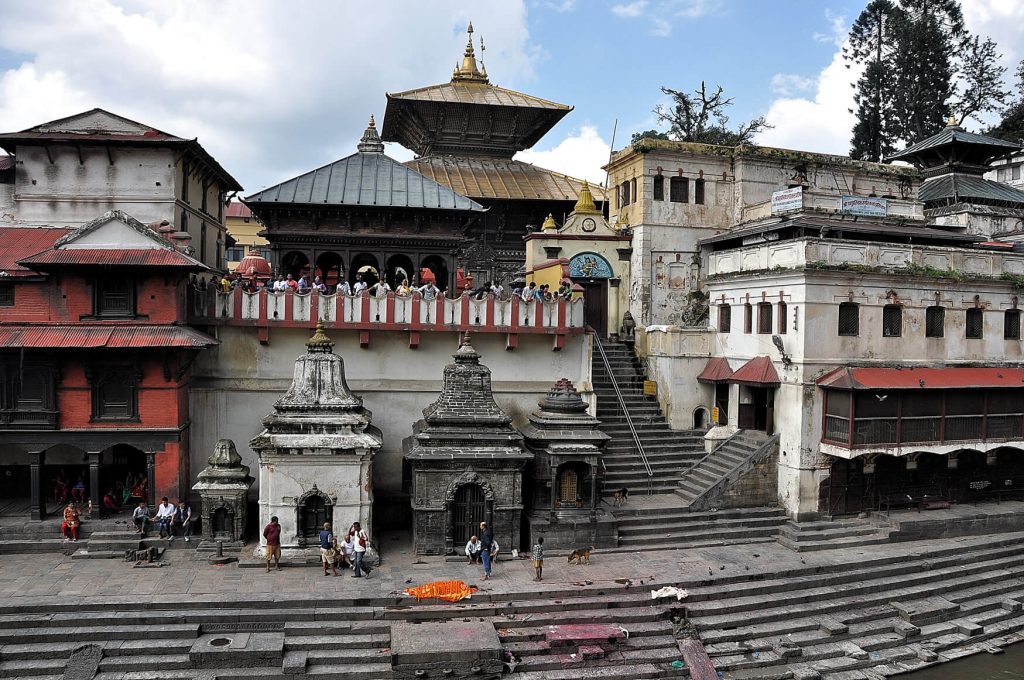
{"points": [[429, 291], [530, 292], [344, 288], [360, 286], [380, 289]]}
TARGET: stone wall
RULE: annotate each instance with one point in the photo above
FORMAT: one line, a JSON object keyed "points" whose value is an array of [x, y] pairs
{"points": [[755, 488]]}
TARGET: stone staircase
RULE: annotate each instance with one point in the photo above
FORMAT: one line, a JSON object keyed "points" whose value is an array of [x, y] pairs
{"points": [[669, 452], [675, 526], [869, 618], [613, 633], [703, 484], [837, 533]]}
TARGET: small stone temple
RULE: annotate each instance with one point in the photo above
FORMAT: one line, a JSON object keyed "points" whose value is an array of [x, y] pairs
{"points": [[316, 450], [466, 462], [566, 445], [223, 487]]}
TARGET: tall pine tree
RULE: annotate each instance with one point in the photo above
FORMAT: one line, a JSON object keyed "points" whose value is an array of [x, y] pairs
{"points": [[872, 43]]}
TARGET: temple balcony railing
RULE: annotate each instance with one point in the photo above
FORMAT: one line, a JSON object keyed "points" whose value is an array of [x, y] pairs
{"points": [[365, 313]]}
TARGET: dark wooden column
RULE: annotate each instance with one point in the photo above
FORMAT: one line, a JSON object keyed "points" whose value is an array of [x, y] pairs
{"points": [[37, 459], [151, 477], [95, 459]]}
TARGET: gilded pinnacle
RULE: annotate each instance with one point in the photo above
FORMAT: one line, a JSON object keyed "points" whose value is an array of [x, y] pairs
{"points": [[585, 203], [319, 342], [549, 223]]}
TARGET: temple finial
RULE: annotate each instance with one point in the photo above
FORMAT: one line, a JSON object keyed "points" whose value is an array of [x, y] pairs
{"points": [[549, 223], [370, 141], [585, 203], [469, 71], [319, 342], [952, 122]]}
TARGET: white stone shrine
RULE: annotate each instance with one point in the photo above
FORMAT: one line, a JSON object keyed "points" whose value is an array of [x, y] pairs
{"points": [[316, 452]]}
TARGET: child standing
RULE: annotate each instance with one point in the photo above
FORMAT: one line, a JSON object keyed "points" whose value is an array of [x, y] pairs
{"points": [[538, 558]]}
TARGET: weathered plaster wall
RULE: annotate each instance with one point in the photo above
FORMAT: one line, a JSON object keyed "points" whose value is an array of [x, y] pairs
{"points": [[237, 384]]}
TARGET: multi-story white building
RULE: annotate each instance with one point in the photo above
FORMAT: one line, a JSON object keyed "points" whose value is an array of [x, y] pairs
{"points": [[69, 171]]}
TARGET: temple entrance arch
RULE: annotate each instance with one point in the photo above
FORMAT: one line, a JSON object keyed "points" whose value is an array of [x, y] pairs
{"points": [[399, 267], [364, 267], [295, 263], [573, 486], [592, 271], [469, 508], [439, 268], [330, 268]]}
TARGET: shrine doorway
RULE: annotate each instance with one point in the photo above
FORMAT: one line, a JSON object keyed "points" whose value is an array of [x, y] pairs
{"points": [[366, 268], [313, 509], [468, 510], [222, 521]]}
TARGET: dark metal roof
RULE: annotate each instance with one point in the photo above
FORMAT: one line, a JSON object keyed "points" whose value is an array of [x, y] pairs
{"points": [[960, 187], [20, 242], [96, 336], [126, 257], [757, 371], [921, 378], [500, 178], [366, 179], [483, 94], [955, 135], [861, 226]]}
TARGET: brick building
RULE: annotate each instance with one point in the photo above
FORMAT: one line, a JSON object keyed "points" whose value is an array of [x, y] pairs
{"points": [[94, 358]]}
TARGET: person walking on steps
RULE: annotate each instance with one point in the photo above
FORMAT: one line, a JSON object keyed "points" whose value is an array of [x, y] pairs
{"points": [[328, 549], [486, 539]]}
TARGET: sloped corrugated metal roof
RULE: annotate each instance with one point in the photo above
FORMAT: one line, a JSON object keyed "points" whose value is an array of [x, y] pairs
{"points": [[922, 378], [477, 93], [95, 336], [715, 371], [128, 257], [237, 209], [366, 179], [951, 135], [499, 178], [19, 242], [757, 371], [963, 187]]}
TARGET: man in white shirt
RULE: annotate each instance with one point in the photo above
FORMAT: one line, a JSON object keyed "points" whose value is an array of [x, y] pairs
{"points": [[359, 287], [429, 291], [529, 292], [344, 288], [164, 517], [380, 289], [359, 542]]}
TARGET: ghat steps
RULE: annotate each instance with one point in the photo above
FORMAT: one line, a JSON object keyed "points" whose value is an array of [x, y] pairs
{"points": [[702, 485]]}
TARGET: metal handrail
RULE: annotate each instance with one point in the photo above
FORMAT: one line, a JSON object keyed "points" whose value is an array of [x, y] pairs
{"points": [[625, 411]]}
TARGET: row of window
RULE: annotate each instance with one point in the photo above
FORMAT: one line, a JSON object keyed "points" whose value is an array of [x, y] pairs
{"points": [[28, 394], [934, 322], [678, 190], [765, 313], [113, 297]]}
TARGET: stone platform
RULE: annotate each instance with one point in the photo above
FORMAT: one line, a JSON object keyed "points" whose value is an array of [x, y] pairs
{"points": [[455, 649]]}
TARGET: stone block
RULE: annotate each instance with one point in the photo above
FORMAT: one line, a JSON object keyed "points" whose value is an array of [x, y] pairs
{"points": [[906, 629], [969, 628], [927, 655], [437, 646], [231, 650], [589, 652], [801, 672], [853, 651], [1010, 605], [295, 663], [833, 626], [926, 611]]}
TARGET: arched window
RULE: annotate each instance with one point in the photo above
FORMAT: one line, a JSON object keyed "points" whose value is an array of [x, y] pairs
{"points": [[748, 318], [849, 319], [625, 193], [659, 187], [679, 190], [724, 318], [632, 190], [115, 394], [975, 327], [698, 191], [782, 317], [764, 318], [1011, 324]]}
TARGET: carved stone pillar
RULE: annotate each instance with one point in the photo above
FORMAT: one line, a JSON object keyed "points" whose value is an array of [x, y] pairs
{"points": [[613, 307], [151, 477], [37, 459]]}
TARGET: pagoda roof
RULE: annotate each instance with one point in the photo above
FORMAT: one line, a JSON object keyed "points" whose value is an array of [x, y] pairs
{"points": [[496, 178], [481, 94], [956, 135], [366, 178], [968, 188]]}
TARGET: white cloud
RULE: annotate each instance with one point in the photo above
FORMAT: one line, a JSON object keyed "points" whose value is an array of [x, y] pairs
{"points": [[661, 27], [581, 154], [555, 6], [269, 88], [789, 84], [630, 10], [837, 32]]}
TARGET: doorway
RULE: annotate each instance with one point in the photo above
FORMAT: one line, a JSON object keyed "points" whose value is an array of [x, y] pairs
{"points": [[313, 513], [595, 304], [757, 414], [843, 492], [722, 402], [468, 510]]}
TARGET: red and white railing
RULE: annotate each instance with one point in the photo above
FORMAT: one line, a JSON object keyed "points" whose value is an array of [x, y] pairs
{"points": [[414, 314]]}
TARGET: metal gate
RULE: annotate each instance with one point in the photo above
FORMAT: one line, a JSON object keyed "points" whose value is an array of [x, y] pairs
{"points": [[468, 511], [846, 487]]}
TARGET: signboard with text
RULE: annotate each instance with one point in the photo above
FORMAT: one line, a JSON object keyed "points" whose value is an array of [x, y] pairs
{"points": [[787, 199], [862, 205]]}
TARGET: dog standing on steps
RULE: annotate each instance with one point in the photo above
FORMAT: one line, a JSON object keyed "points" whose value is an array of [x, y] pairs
{"points": [[621, 496], [581, 555]]}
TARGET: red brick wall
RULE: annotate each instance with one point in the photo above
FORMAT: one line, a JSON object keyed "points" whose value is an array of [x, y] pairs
{"points": [[68, 296]]}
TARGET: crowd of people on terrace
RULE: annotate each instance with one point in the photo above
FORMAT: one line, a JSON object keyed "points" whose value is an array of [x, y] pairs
{"points": [[302, 285]]}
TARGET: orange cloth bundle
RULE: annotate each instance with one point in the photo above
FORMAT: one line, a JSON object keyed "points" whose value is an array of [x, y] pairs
{"points": [[449, 591]]}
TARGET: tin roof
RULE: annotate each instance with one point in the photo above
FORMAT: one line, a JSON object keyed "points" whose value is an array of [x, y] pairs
{"points": [[757, 371], [846, 378], [500, 178], [366, 179], [97, 336], [717, 370], [128, 257], [237, 209], [483, 94], [959, 187], [834, 225], [954, 134], [19, 242]]}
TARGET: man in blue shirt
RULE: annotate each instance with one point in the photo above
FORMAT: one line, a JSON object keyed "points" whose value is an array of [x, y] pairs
{"points": [[486, 539], [328, 549]]}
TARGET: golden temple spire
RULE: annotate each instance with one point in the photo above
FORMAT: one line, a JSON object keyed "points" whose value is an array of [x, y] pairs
{"points": [[549, 224], [469, 70], [319, 342], [585, 203], [952, 122], [370, 142]]}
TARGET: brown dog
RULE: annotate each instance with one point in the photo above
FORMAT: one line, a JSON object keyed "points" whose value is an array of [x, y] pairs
{"points": [[581, 555]]}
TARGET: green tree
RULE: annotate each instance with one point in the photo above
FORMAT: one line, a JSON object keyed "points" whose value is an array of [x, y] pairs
{"points": [[700, 117], [647, 134], [1011, 127], [873, 43]]}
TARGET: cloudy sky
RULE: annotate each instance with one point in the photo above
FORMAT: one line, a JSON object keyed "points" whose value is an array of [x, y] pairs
{"points": [[274, 88]]}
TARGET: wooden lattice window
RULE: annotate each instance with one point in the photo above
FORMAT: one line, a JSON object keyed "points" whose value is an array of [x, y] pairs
{"points": [[748, 318], [764, 318], [679, 190], [724, 318], [1011, 324], [6, 295], [974, 329], [659, 187], [568, 486], [698, 191], [849, 319], [935, 322], [892, 321]]}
